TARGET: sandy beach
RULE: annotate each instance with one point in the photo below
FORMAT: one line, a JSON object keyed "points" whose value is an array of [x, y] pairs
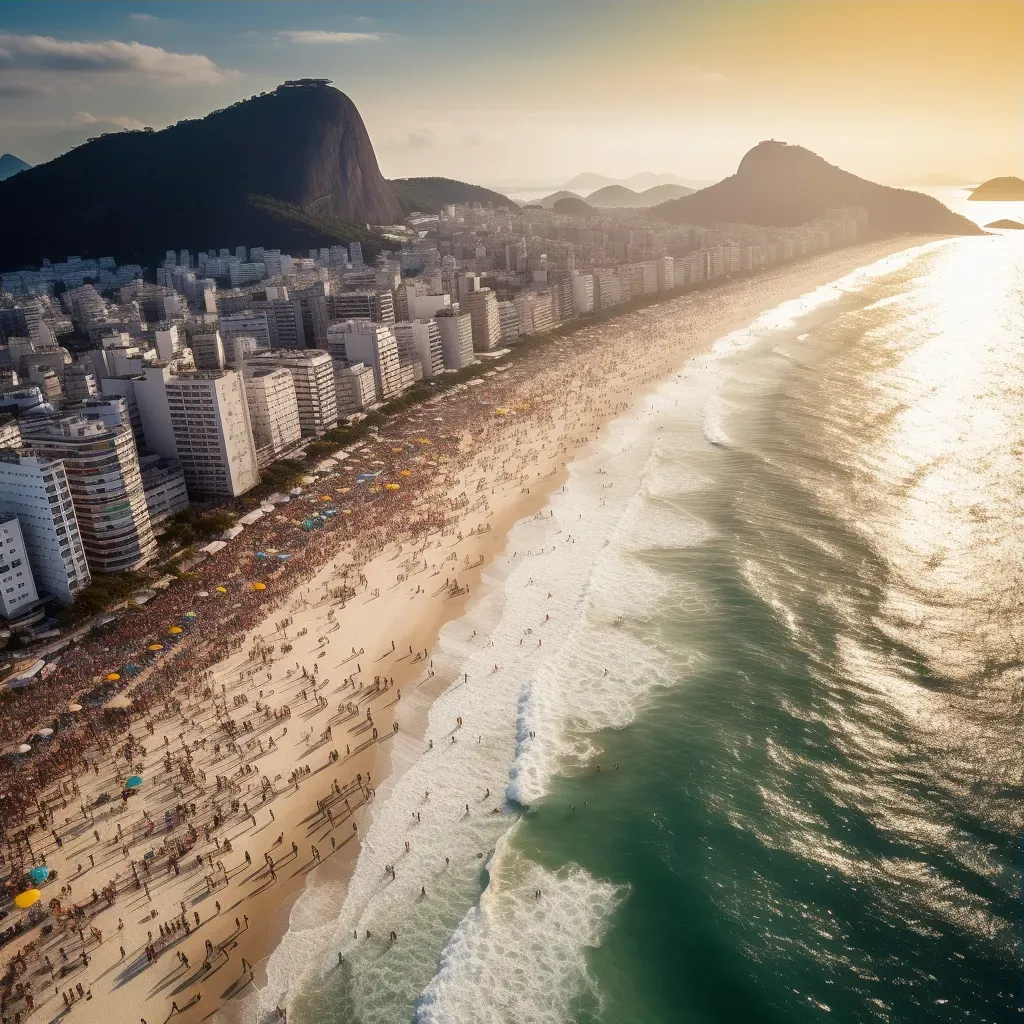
{"points": [[259, 770]]}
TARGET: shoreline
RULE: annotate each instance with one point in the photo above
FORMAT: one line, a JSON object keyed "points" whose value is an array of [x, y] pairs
{"points": [[409, 614]]}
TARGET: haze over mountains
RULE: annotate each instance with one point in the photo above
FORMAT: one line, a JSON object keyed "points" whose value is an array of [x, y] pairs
{"points": [[295, 168], [780, 185]]}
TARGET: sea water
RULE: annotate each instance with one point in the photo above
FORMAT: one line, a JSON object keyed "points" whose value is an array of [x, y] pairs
{"points": [[741, 706]]}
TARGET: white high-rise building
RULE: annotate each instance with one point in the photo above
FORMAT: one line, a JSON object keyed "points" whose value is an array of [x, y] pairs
{"points": [[667, 273], [362, 341], [37, 493], [456, 330], [202, 420], [482, 306], [102, 468], [582, 294], [420, 341], [313, 374], [357, 390], [17, 586], [273, 409]]}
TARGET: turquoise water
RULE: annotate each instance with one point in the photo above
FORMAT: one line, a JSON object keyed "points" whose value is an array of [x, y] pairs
{"points": [[785, 621]]}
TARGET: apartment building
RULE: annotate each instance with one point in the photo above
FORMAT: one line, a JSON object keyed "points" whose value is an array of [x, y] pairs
{"points": [[313, 375], [419, 341], [102, 468], [36, 492], [357, 390], [482, 306], [456, 330], [273, 410], [361, 341], [202, 420], [17, 586]]}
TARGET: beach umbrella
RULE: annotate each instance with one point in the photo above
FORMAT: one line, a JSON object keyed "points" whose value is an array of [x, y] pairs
{"points": [[202, 593], [405, 472], [132, 782], [74, 707], [174, 630], [39, 874], [112, 677], [155, 647], [222, 590], [24, 749], [191, 615], [259, 586], [45, 733], [393, 487], [25, 899], [325, 497], [396, 449]]}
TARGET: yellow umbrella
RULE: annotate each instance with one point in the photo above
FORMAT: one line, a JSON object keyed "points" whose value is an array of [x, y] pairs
{"points": [[156, 647], [113, 677], [346, 511], [222, 590], [174, 630], [393, 487], [25, 899], [405, 472], [259, 586], [325, 497], [397, 449]]}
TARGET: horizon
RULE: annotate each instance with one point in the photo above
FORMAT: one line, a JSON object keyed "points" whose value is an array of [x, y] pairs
{"points": [[597, 92]]}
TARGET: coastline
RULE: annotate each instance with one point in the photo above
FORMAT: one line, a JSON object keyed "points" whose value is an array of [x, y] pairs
{"points": [[565, 418]]}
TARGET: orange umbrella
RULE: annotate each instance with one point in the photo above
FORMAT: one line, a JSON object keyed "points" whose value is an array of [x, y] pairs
{"points": [[25, 899], [156, 647], [259, 586], [174, 630], [113, 677]]}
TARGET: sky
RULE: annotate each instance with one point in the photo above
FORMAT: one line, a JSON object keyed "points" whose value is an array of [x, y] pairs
{"points": [[536, 91]]}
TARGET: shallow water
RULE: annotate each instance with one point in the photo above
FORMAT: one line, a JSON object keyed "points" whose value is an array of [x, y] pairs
{"points": [[784, 620]]}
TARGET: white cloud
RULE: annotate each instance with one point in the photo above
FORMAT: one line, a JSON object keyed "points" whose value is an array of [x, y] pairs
{"points": [[422, 137], [82, 119], [111, 56], [315, 37], [143, 19]]}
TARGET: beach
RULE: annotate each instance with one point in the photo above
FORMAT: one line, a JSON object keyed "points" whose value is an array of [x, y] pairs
{"points": [[284, 740]]}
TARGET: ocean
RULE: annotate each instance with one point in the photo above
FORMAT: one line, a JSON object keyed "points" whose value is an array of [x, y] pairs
{"points": [[742, 707]]}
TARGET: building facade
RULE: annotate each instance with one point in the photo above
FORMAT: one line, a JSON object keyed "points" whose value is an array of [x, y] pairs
{"points": [[313, 375], [17, 586], [273, 410], [37, 493]]}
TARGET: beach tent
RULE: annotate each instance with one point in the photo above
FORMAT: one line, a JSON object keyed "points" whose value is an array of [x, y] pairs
{"points": [[202, 593], [74, 707], [132, 782], [39, 874], [25, 899], [45, 733], [24, 749]]}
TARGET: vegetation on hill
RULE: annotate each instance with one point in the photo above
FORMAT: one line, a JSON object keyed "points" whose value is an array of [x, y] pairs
{"points": [[428, 195]]}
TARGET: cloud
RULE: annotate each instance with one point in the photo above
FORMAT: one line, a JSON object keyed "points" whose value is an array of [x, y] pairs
{"points": [[143, 19], [16, 90], [83, 119], [316, 37], [112, 56], [421, 137]]}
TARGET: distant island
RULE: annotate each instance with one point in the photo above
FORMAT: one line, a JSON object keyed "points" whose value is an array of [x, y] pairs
{"points": [[1006, 225], [11, 165], [1006, 189]]}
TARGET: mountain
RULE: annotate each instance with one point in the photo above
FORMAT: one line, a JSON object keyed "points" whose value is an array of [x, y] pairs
{"points": [[999, 190], [779, 185], [292, 168], [428, 195], [589, 182], [1006, 224], [573, 206], [620, 196], [10, 165], [549, 201]]}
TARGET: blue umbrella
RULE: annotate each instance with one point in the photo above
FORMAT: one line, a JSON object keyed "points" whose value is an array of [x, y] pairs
{"points": [[133, 782], [39, 874]]}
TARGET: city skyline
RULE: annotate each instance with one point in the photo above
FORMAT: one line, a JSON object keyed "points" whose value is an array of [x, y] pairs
{"points": [[496, 94]]}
